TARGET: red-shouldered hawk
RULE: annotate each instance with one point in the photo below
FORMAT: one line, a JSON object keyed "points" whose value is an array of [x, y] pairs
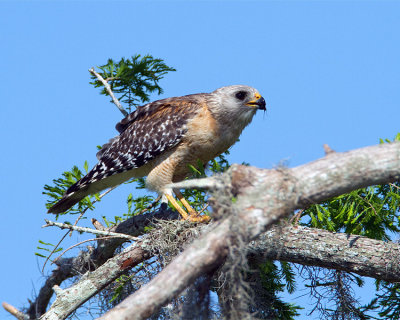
{"points": [[161, 139]]}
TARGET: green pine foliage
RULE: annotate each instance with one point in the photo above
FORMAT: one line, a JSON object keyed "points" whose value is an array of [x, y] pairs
{"points": [[60, 186], [386, 301], [372, 212], [275, 280], [46, 248], [133, 80]]}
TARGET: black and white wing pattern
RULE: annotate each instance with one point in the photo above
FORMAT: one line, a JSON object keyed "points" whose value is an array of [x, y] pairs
{"points": [[144, 135]]}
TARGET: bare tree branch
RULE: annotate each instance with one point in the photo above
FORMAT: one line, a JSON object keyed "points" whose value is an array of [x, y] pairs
{"points": [[75, 223], [15, 312], [70, 299], [88, 260], [87, 230], [339, 251], [262, 198], [298, 244], [108, 88]]}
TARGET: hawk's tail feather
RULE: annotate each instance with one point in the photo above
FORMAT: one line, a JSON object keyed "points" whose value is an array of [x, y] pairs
{"points": [[89, 184], [78, 191], [67, 201]]}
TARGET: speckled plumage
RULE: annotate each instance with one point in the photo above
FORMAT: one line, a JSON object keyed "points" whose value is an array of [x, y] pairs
{"points": [[162, 138]]}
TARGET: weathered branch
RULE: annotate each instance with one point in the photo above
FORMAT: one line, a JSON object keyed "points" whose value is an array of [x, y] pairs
{"points": [[314, 247], [15, 312], [109, 91], [70, 267], [262, 198], [68, 300], [296, 244]]}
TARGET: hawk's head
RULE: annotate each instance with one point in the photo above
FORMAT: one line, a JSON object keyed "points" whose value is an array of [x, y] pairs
{"points": [[237, 103]]}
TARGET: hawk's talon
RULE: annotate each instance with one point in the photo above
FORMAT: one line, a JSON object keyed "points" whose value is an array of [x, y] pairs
{"points": [[185, 203], [198, 218], [175, 204], [193, 216]]}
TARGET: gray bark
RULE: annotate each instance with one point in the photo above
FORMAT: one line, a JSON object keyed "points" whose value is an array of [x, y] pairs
{"points": [[87, 261], [321, 248], [70, 299]]}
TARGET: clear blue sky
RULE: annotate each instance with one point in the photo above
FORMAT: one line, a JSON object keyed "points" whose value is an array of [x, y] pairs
{"points": [[329, 71]]}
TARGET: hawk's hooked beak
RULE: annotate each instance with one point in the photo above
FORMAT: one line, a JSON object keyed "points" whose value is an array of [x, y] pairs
{"points": [[257, 101]]}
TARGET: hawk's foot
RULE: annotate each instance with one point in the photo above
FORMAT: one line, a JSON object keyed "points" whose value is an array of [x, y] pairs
{"points": [[191, 215]]}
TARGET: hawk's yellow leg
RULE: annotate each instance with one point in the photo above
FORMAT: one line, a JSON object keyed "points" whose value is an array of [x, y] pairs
{"points": [[193, 216], [185, 203], [175, 204]]}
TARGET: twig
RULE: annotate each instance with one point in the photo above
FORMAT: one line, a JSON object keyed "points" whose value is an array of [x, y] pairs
{"points": [[84, 211], [98, 225], [393, 185], [88, 230], [109, 91], [369, 203], [296, 217], [54, 250], [76, 221], [328, 150], [79, 243], [204, 208], [14, 311], [151, 205]]}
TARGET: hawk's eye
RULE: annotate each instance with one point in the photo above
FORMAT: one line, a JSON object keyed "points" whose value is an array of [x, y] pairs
{"points": [[241, 95]]}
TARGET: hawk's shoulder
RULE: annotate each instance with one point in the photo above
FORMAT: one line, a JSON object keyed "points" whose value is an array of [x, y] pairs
{"points": [[146, 133], [184, 104]]}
